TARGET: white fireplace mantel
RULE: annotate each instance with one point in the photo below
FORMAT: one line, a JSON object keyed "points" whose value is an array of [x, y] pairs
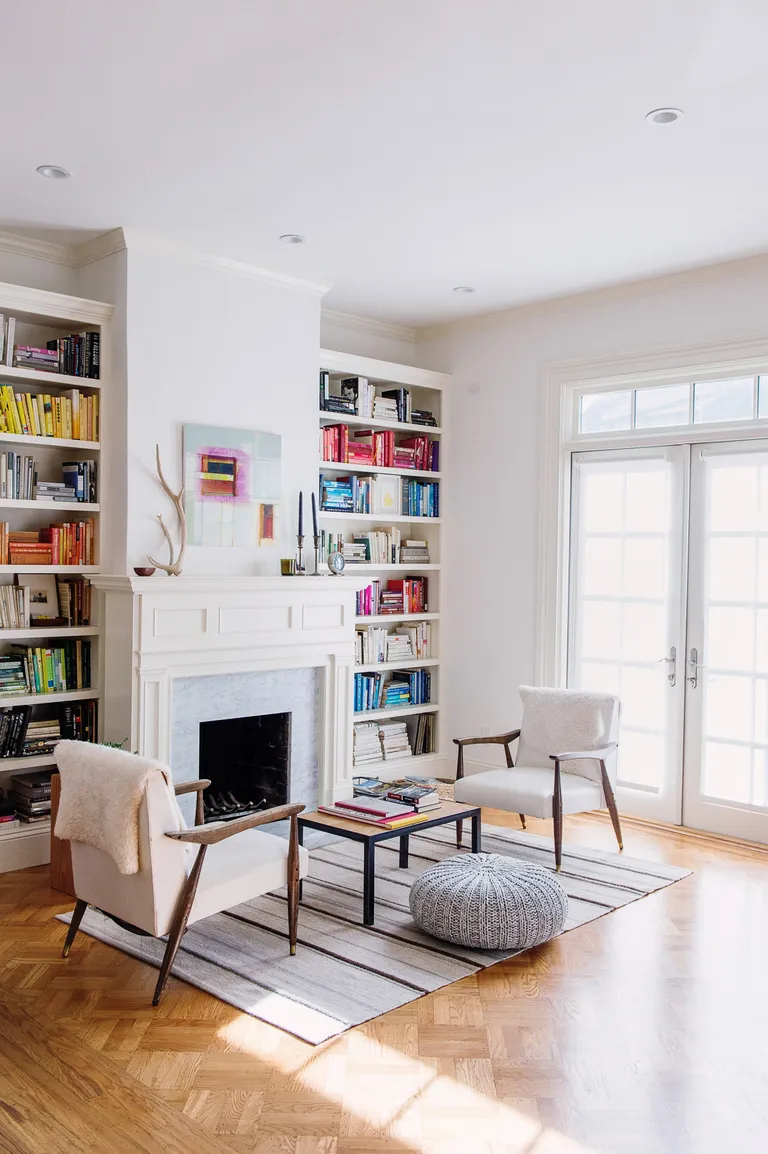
{"points": [[156, 629]]}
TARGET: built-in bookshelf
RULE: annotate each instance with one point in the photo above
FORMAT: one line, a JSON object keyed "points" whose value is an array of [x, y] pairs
{"points": [[381, 476], [52, 387]]}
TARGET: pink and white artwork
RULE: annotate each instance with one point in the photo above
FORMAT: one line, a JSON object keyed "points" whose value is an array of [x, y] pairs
{"points": [[233, 485]]}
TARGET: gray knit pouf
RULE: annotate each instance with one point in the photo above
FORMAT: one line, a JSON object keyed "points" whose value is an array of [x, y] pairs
{"points": [[489, 902]]}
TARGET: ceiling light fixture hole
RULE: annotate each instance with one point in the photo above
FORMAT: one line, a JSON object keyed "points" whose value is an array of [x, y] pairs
{"points": [[463, 288], [664, 116], [54, 171], [292, 238]]}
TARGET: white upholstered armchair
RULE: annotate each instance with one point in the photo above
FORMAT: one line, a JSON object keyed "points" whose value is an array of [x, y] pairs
{"points": [[566, 760], [135, 860]]}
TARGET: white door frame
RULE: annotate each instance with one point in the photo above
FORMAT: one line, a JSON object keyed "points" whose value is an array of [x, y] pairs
{"points": [[563, 382]]}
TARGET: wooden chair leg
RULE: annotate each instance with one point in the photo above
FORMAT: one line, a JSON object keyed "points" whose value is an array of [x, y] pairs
{"points": [[610, 801], [74, 925], [179, 924], [522, 819], [293, 885], [557, 818]]}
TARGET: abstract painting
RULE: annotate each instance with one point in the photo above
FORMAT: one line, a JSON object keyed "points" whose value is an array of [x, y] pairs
{"points": [[233, 485]]}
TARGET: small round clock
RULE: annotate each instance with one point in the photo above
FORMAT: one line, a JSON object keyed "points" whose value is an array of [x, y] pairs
{"points": [[336, 563]]}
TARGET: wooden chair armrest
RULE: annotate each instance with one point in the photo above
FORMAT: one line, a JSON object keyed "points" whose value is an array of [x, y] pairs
{"points": [[217, 831], [191, 786], [500, 739], [590, 754]]}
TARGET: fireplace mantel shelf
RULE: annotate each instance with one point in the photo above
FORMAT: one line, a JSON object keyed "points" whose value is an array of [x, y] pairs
{"points": [[161, 585]]}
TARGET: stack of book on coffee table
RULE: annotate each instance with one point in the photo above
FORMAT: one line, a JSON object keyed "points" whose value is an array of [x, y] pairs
{"points": [[386, 804]]}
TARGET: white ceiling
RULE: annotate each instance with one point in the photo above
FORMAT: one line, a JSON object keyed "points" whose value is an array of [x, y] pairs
{"points": [[417, 144]]}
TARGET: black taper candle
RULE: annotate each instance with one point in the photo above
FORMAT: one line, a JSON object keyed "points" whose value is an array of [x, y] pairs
{"points": [[301, 513], [314, 514]]}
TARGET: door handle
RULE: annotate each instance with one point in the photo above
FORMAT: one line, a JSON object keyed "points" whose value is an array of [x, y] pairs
{"points": [[671, 661], [694, 666]]}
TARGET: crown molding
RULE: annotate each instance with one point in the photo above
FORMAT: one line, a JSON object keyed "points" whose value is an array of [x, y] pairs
{"points": [[29, 246], [755, 265], [369, 325], [117, 239], [97, 249], [152, 242]]}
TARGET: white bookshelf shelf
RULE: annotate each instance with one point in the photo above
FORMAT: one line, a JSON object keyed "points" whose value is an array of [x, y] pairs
{"points": [[61, 506], [381, 618], [27, 830], [50, 442], [428, 392], [395, 711], [409, 663], [73, 569], [53, 380], [41, 316], [338, 467], [327, 418], [41, 633], [20, 764], [377, 518], [8, 699], [372, 567]]}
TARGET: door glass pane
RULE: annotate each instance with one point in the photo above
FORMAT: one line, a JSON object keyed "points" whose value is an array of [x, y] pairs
{"points": [[603, 412], [625, 582], [667, 405], [724, 400], [733, 678]]}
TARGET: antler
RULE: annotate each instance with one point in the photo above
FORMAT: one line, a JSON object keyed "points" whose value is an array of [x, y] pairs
{"points": [[173, 569]]}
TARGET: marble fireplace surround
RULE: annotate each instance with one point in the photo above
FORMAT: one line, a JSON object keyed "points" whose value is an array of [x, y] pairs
{"points": [[162, 635]]}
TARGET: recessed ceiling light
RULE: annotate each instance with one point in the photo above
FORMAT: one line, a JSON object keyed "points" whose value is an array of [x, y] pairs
{"points": [[664, 115], [463, 288], [292, 238], [54, 172]]}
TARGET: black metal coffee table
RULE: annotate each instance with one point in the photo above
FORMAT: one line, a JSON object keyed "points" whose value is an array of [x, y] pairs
{"points": [[370, 835]]}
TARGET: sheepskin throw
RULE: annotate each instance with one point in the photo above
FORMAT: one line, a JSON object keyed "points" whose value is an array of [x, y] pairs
{"points": [[101, 794], [560, 720]]}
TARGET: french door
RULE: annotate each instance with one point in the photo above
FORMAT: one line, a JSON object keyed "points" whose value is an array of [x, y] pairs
{"points": [[669, 609]]}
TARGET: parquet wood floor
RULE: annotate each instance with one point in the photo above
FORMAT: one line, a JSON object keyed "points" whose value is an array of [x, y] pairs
{"points": [[645, 1032]]}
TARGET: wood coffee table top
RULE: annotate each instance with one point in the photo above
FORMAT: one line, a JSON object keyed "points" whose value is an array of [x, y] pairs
{"points": [[446, 812]]}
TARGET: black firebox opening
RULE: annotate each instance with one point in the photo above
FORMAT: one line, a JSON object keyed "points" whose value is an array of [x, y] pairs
{"points": [[248, 761]]}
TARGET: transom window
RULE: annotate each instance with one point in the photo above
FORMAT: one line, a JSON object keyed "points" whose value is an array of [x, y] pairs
{"points": [[672, 406]]}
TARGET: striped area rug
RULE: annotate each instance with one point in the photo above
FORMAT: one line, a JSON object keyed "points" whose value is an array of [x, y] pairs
{"points": [[345, 973]]}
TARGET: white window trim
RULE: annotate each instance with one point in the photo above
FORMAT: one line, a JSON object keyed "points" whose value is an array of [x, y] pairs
{"points": [[563, 383]]}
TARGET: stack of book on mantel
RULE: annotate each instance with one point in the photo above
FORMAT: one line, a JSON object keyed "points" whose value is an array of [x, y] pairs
{"points": [[372, 811]]}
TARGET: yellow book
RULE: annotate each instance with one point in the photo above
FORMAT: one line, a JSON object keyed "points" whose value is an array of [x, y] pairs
{"points": [[57, 417], [48, 413], [40, 414], [74, 398], [95, 430], [66, 405], [22, 414], [12, 409]]}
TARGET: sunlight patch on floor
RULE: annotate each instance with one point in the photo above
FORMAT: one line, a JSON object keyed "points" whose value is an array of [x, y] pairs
{"points": [[387, 1093]]}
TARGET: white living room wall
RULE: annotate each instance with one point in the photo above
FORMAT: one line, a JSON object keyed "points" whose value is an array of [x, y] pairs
{"points": [[210, 343], [365, 337], [19, 266], [498, 363]]}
